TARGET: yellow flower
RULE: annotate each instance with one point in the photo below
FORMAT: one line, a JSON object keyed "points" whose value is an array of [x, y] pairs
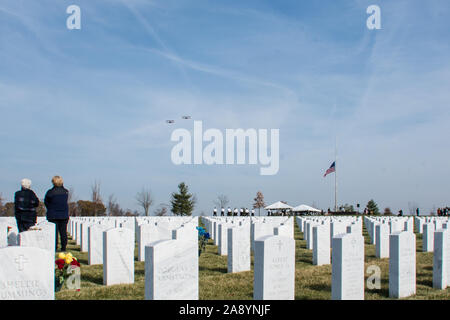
{"points": [[62, 255], [68, 260], [69, 255]]}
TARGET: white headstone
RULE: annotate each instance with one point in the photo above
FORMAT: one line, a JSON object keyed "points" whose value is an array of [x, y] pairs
{"points": [[148, 233], [402, 264], [95, 247], [239, 249], [382, 240], [428, 237], [78, 233], [258, 230], [186, 232], [171, 270], [274, 274], [223, 241], [308, 235], [43, 238], [84, 241], [284, 230], [118, 256], [3, 235], [27, 273], [441, 259], [347, 280], [321, 245], [216, 232]]}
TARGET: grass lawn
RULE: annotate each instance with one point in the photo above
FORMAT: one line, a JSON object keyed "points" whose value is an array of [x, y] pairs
{"points": [[311, 282]]}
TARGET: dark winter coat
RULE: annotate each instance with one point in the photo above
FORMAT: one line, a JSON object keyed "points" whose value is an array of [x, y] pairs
{"points": [[56, 203], [25, 204]]}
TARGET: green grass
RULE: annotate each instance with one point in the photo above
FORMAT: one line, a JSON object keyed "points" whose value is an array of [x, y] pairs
{"points": [[311, 282]]}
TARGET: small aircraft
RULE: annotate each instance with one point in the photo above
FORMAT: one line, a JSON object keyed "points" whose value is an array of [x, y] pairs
{"points": [[170, 121]]}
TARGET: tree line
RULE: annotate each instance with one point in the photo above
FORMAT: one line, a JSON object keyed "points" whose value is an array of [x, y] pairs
{"points": [[182, 203]]}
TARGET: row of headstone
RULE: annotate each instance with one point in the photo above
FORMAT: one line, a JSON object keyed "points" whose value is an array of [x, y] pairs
{"points": [[438, 222], [171, 268]]}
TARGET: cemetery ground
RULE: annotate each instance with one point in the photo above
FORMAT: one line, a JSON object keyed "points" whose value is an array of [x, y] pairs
{"points": [[311, 282]]}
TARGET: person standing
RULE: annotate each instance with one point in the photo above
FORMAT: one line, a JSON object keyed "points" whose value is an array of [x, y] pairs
{"points": [[417, 211], [25, 204], [215, 212], [222, 212], [58, 209]]}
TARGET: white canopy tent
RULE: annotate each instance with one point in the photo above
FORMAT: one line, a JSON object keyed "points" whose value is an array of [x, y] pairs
{"points": [[304, 207], [278, 206]]}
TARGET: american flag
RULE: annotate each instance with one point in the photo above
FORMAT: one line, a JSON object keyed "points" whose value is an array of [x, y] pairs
{"points": [[331, 169]]}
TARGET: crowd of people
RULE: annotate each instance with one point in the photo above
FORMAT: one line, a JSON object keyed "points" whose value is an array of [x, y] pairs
{"points": [[56, 203], [235, 212], [245, 212], [443, 212]]}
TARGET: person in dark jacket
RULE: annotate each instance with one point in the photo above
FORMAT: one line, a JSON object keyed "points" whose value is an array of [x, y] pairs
{"points": [[25, 204], [58, 209]]}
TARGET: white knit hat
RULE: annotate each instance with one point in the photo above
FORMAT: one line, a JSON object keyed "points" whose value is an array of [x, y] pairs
{"points": [[26, 183]]}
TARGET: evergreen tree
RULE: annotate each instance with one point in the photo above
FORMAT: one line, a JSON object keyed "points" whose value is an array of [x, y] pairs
{"points": [[372, 207], [183, 202]]}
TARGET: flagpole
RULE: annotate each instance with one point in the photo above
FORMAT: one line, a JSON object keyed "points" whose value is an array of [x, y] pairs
{"points": [[335, 174]]}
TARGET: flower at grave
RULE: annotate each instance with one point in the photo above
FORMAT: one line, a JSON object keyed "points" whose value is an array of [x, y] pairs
{"points": [[75, 263], [9, 228], [65, 262], [60, 263], [69, 260], [203, 238]]}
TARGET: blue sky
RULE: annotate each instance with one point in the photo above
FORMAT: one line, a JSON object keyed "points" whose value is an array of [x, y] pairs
{"points": [[91, 104]]}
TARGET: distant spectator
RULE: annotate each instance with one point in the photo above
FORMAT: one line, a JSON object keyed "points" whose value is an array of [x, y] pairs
{"points": [[25, 204], [58, 209], [417, 211]]}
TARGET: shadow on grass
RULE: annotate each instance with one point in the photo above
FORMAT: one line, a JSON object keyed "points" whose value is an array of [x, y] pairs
{"points": [[83, 261], [424, 282], [139, 272], [213, 269], [320, 287], [304, 259], [92, 278]]}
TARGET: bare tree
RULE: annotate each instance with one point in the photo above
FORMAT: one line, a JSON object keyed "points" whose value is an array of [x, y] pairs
{"points": [[71, 196], [144, 199], [95, 195], [113, 207], [162, 210], [412, 206], [1, 203], [221, 201], [72, 201]]}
